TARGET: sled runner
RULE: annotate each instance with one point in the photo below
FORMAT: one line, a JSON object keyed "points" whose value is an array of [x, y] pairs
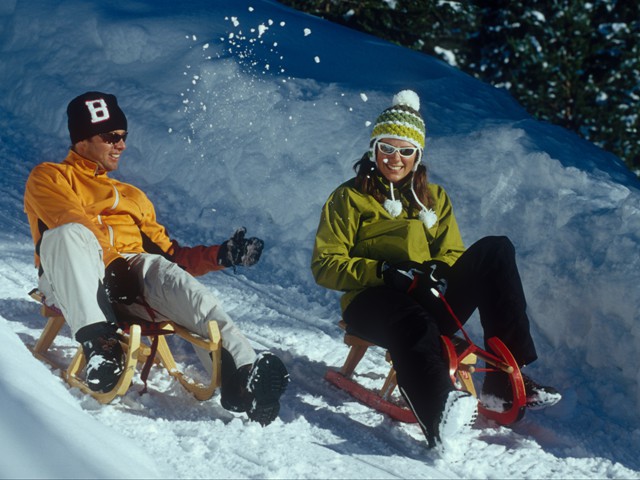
{"points": [[461, 354], [382, 399], [137, 351]]}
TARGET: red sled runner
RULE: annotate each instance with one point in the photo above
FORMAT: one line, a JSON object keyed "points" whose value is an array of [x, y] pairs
{"points": [[461, 354]]}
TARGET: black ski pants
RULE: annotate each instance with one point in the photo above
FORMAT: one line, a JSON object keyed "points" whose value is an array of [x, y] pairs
{"points": [[485, 277]]}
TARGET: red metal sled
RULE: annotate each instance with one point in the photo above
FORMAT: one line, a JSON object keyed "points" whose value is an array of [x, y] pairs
{"points": [[462, 355], [500, 360]]}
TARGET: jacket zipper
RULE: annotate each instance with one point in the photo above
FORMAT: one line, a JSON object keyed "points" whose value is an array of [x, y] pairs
{"points": [[113, 207]]}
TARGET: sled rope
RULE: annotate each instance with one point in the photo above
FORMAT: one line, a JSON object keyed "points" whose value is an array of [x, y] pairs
{"points": [[472, 346], [149, 329]]}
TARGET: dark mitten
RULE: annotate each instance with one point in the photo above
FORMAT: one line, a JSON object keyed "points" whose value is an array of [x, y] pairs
{"points": [[401, 276], [433, 277], [120, 282], [436, 272], [418, 279], [239, 250]]}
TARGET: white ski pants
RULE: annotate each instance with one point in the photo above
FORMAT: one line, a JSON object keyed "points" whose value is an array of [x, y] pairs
{"points": [[71, 258]]}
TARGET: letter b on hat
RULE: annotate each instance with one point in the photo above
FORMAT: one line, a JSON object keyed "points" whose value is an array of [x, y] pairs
{"points": [[98, 110]]}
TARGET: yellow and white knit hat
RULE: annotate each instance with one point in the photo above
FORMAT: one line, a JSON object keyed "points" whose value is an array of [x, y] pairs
{"points": [[402, 121]]}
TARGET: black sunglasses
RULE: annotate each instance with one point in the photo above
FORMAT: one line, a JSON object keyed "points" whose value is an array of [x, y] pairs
{"points": [[113, 138]]}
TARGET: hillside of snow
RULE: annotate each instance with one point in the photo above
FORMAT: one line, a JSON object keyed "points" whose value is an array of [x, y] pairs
{"points": [[245, 112]]}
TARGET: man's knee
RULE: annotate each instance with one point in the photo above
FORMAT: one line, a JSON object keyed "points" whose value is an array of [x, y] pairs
{"points": [[69, 242], [71, 233]]}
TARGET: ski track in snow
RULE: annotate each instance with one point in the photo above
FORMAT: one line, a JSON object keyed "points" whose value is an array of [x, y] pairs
{"points": [[313, 411]]}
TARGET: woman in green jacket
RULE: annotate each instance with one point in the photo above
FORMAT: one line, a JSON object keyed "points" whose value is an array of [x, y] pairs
{"points": [[385, 238]]}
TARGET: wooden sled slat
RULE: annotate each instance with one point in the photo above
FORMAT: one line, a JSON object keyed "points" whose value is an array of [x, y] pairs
{"points": [[199, 390], [51, 329]]}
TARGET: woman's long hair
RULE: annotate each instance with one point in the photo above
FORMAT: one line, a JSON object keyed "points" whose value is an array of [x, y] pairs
{"points": [[367, 182]]}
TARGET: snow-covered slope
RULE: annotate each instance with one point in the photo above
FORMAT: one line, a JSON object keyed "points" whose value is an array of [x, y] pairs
{"points": [[248, 113]]}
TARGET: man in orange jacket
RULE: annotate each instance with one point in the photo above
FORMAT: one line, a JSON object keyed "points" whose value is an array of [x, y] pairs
{"points": [[101, 253]]}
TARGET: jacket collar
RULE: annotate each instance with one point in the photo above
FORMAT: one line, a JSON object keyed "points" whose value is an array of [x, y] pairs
{"points": [[396, 202], [84, 165], [404, 187]]}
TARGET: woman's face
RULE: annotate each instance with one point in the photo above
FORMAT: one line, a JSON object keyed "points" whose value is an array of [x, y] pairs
{"points": [[395, 158]]}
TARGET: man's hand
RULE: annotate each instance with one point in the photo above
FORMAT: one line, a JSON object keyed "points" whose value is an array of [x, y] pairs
{"points": [[239, 250], [120, 282]]}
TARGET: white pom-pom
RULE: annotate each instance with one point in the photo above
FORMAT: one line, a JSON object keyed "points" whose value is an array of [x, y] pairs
{"points": [[408, 98], [428, 217], [393, 207]]}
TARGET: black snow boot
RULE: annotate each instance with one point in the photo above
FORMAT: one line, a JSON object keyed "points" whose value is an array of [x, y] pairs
{"points": [[103, 354], [255, 389], [497, 394], [234, 395], [268, 380]]}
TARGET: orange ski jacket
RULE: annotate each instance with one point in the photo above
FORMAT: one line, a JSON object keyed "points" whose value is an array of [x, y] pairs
{"points": [[121, 216]]}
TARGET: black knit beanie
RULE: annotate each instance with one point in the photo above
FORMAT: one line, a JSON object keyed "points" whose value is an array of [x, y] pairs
{"points": [[92, 113]]}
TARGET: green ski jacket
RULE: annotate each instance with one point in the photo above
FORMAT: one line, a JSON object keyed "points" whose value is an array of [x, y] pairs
{"points": [[356, 233]]}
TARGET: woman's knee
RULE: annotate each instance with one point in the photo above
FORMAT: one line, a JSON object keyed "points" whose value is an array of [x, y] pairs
{"points": [[500, 243], [496, 249]]}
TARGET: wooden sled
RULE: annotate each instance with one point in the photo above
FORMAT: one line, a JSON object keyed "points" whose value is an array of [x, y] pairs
{"points": [[137, 351]]}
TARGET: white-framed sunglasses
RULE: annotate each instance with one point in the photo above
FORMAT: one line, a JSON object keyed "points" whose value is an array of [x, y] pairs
{"points": [[387, 149]]}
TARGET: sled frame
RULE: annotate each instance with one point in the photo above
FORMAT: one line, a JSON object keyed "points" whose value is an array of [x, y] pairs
{"points": [[462, 356], [137, 351], [381, 399]]}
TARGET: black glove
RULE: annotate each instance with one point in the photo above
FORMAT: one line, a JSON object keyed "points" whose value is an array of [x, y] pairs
{"points": [[401, 276], [436, 272], [418, 278], [120, 282], [239, 250]]}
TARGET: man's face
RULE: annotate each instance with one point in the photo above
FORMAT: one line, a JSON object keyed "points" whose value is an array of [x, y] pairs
{"points": [[102, 150]]}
